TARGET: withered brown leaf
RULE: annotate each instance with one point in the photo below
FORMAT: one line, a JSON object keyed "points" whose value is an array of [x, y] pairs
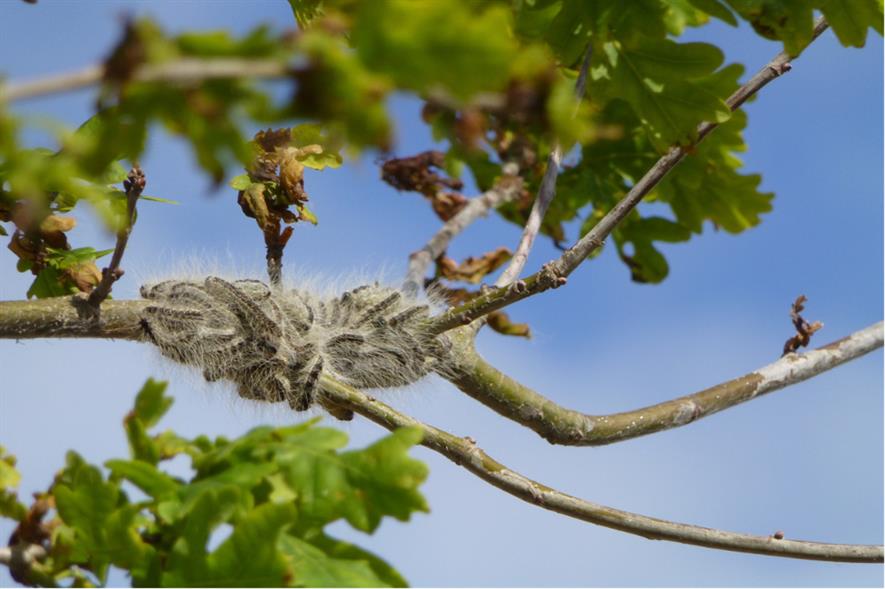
{"points": [[500, 322], [804, 329], [85, 276], [473, 269], [253, 204]]}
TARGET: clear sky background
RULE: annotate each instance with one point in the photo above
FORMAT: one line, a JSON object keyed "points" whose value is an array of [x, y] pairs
{"points": [[807, 460]]}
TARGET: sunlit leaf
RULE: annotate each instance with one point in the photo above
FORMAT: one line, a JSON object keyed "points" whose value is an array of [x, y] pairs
{"points": [[446, 44]]}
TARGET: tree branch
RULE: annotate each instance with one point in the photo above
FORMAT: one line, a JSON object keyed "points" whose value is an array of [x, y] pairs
{"points": [[464, 452], [71, 317], [507, 189], [134, 186], [546, 192], [180, 71], [554, 273], [559, 425], [63, 317]]}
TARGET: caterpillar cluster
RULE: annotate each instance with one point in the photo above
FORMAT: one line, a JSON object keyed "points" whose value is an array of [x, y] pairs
{"points": [[274, 343]]}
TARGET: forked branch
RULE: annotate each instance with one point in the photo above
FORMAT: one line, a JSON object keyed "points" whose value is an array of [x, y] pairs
{"points": [[66, 317], [559, 425], [62, 317]]}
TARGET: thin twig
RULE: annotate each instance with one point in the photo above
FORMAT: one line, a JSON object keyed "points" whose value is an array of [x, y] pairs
{"points": [[559, 425], [275, 244], [554, 273], [546, 192], [464, 452], [180, 71], [507, 189], [134, 185], [274, 259]]}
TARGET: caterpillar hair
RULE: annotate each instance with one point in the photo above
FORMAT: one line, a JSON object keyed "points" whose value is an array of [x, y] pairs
{"points": [[273, 342]]}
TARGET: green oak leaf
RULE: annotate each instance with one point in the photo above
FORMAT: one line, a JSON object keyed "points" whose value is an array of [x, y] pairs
{"points": [[128, 550], [256, 44], [664, 82], [50, 283], [341, 550], [144, 475], [792, 21], [312, 567], [152, 403], [577, 23], [444, 45], [10, 478], [646, 263], [252, 556], [717, 9], [64, 259], [85, 502], [850, 19], [709, 187], [186, 564]]}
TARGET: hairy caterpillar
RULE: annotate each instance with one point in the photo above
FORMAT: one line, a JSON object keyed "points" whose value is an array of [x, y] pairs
{"points": [[274, 343]]}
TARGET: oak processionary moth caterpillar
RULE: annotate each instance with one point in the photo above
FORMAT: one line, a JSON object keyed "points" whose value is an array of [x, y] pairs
{"points": [[273, 342]]}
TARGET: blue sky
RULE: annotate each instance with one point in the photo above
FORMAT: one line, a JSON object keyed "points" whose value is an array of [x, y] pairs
{"points": [[806, 460]]}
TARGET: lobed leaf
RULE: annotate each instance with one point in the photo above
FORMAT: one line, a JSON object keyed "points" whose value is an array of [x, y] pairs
{"points": [[665, 84], [253, 555], [312, 567], [85, 502], [444, 45], [10, 478]]}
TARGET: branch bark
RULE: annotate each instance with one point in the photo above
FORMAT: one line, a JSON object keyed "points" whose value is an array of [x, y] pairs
{"points": [[180, 71], [63, 317], [546, 192], [464, 452], [559, 425], [554, 273], [71, 317]]}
